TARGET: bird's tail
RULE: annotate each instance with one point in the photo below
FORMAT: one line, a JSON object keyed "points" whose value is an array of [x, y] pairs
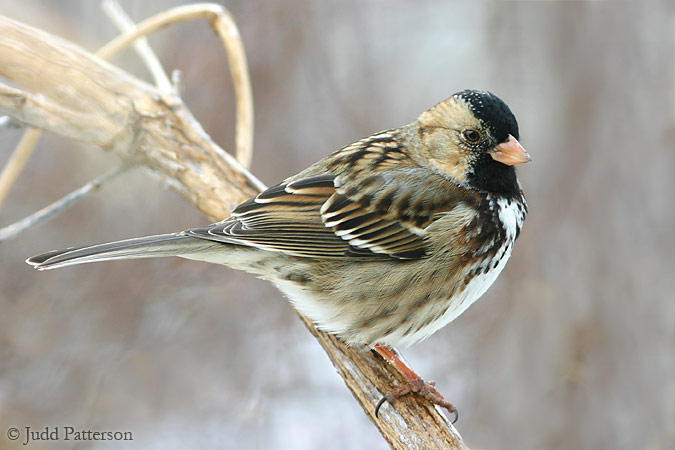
{"points": [[145, 247]]}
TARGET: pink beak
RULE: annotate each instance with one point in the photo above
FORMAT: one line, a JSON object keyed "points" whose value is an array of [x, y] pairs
{"points": [[510, 152]]}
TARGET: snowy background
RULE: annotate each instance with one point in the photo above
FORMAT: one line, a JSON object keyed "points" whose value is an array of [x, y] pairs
{"points": [[574, 345]]}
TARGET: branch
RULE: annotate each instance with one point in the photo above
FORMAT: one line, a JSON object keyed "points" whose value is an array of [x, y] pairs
{"points": [[124, 23], [106, 106], [60, 83], [59, 206], [17, 161], [224, 26]]}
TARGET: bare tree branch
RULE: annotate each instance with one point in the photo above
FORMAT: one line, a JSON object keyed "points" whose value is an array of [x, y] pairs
{"points": [[33, 107], [104, 105], [17, 161], [224, 26], [60, 205], [59, 82], [124, 23]]}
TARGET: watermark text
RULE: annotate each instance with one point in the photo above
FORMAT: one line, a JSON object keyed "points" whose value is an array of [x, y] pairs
{"points": [[28, 434]]}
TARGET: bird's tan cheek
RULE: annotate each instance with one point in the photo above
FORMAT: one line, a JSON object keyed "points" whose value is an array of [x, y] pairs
{"points": [[444, 155], [454, 166]]}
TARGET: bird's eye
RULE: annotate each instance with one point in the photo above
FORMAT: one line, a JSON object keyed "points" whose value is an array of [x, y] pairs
{"points": [[471, 135]]}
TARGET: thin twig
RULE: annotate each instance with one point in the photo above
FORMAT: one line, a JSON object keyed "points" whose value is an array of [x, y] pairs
{"points": [[17, 162], [124, 24], [60, 205], [227, 30]]}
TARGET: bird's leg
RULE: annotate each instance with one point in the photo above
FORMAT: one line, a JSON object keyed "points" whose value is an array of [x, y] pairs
{"points": [[415, 383]]}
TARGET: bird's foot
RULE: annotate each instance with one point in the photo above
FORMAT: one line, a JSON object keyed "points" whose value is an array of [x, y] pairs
{"points": [[414, 384], [422, 388]]}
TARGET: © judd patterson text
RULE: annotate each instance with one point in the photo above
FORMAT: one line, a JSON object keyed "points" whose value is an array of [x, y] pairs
{"points": [[28, 435]]}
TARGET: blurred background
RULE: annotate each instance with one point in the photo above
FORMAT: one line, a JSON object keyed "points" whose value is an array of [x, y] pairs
{"points": [[573, 346]]}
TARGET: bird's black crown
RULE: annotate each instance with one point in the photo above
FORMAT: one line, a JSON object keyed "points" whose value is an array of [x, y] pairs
{"points": [[492, 112]]}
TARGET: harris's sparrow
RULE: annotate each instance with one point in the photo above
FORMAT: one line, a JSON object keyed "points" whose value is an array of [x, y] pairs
{"points": [[381, 243]]}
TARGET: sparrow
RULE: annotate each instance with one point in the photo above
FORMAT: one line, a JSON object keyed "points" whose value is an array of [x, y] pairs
{"points": [[383, 242]]}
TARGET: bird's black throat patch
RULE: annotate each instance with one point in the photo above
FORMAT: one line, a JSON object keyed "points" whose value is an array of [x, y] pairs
{"points": [[491, 176]]}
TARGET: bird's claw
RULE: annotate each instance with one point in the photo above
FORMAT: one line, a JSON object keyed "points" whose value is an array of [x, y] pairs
{"points": [[422, 388]]}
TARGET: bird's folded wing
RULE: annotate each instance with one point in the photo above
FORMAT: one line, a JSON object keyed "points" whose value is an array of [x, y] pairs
{"points": [[284, 218], [382, 214]]}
